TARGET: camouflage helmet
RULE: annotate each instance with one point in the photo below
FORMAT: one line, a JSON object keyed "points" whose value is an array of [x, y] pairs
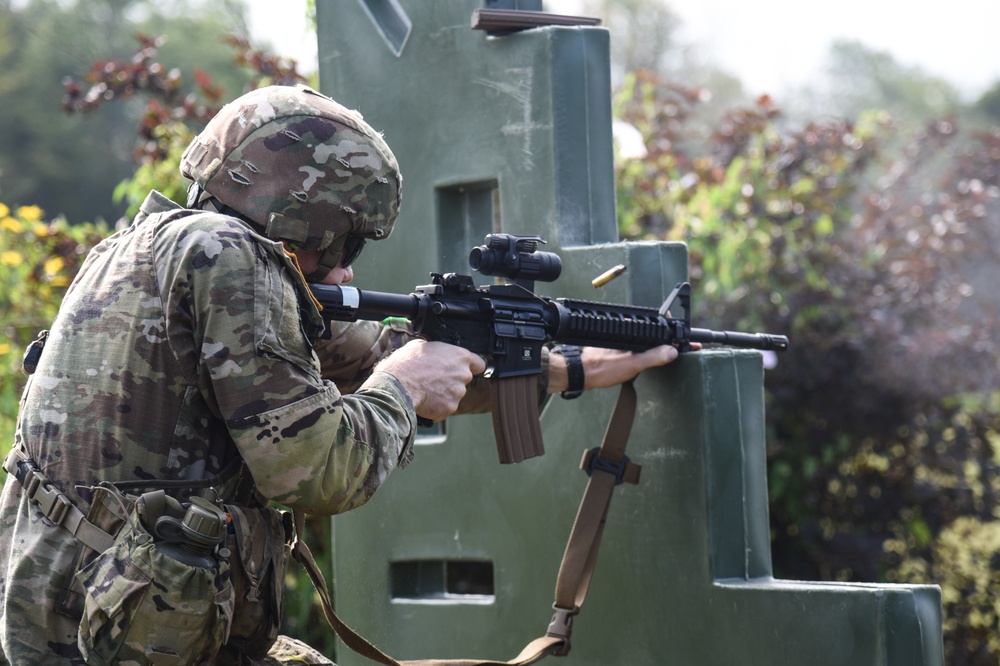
{"points": [[301, 167]]}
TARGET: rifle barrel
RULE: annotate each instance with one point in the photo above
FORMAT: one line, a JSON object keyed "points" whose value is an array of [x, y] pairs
{"points": [[744, 340]]}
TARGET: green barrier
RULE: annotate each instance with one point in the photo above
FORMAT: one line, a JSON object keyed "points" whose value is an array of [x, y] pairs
{"points": [[457, 555]]}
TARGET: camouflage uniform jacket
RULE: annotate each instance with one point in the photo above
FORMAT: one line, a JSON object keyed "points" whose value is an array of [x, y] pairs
{"points": [[184, 342]]}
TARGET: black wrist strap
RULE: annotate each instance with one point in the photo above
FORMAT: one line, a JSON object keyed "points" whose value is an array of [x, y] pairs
{"points": [[574, 370]]}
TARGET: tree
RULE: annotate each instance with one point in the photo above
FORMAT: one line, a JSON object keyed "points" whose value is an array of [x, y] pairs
{"points": [[860, 78], [645, 39], [864, 243], [68, 164], [989, 104], [651, 27], [172, 116], [43, 151]]}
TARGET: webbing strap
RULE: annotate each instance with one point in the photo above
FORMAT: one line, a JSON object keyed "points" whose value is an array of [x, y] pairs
{"points": [[60, 509], [580, 558], [54, 505], [575, 572]]}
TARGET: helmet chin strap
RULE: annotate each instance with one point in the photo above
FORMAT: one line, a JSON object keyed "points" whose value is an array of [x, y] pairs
{"points": [[329, 260], [317, 275]]}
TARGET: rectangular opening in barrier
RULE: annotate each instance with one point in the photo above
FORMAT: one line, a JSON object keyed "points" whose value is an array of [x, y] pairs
{"points": [[466, 213], [432, 434], [442, 581]]}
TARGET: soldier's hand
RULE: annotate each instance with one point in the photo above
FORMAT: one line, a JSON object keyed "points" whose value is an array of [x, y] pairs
{"points": [[603, 368], [435, 374]]}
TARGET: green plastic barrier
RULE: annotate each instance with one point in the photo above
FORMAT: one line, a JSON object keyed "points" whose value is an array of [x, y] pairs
{"points": [[457, 555]]}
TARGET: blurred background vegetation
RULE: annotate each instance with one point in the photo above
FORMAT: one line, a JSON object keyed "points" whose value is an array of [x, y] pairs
{"points": [[860, 216]]}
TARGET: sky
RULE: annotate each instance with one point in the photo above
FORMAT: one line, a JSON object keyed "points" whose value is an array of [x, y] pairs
{"points": [[284, 25], [775, 45], [772, 46]]}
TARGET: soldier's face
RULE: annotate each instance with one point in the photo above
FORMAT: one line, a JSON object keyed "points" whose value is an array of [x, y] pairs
{"points": [[309, 262]]}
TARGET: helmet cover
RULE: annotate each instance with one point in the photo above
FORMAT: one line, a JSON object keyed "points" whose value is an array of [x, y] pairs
{"points": [[304, 168]]}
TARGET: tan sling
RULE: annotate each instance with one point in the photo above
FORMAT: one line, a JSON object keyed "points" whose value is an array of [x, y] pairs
{"points": [[607, 467]]}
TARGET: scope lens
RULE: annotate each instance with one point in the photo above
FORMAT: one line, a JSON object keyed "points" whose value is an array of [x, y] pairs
{"points": [[476, 258]]}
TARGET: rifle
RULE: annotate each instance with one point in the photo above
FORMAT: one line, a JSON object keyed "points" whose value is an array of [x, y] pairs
{"points": [[509, 324]]}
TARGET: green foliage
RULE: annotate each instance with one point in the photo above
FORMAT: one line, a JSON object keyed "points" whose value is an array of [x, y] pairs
{"points": [[871, 242], [989, 104], [60, 163], [167, 126], [68, 163], [163, 174], [875, 250], [963, 561]]}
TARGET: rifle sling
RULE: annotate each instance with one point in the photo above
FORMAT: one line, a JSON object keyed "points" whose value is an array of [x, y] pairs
{"points": [[575, 572]]}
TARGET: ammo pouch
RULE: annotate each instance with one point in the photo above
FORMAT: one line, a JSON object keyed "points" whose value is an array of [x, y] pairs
{"points": [[144, 606]]}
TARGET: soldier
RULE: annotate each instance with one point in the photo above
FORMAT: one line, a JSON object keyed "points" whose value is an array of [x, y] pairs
{"points": [[183, 386]]}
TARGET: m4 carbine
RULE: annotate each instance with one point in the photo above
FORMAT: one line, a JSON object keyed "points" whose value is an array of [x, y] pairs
{"points": [[508, 324]]}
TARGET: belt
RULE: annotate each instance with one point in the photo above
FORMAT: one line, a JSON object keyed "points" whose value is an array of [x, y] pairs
{"points": [[54, 505]]}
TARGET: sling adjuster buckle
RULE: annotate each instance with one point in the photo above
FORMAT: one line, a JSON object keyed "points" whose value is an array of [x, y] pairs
{"points": [[623, 470], [561, 626]]}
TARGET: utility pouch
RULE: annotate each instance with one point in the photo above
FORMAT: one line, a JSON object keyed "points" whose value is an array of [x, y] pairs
{"points": [[259, 544], [108, 512], [151, 600]]}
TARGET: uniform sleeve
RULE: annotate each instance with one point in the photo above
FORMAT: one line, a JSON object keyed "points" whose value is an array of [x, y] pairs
{"points": [[306, 445], [308, 454], [350, 353]]}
